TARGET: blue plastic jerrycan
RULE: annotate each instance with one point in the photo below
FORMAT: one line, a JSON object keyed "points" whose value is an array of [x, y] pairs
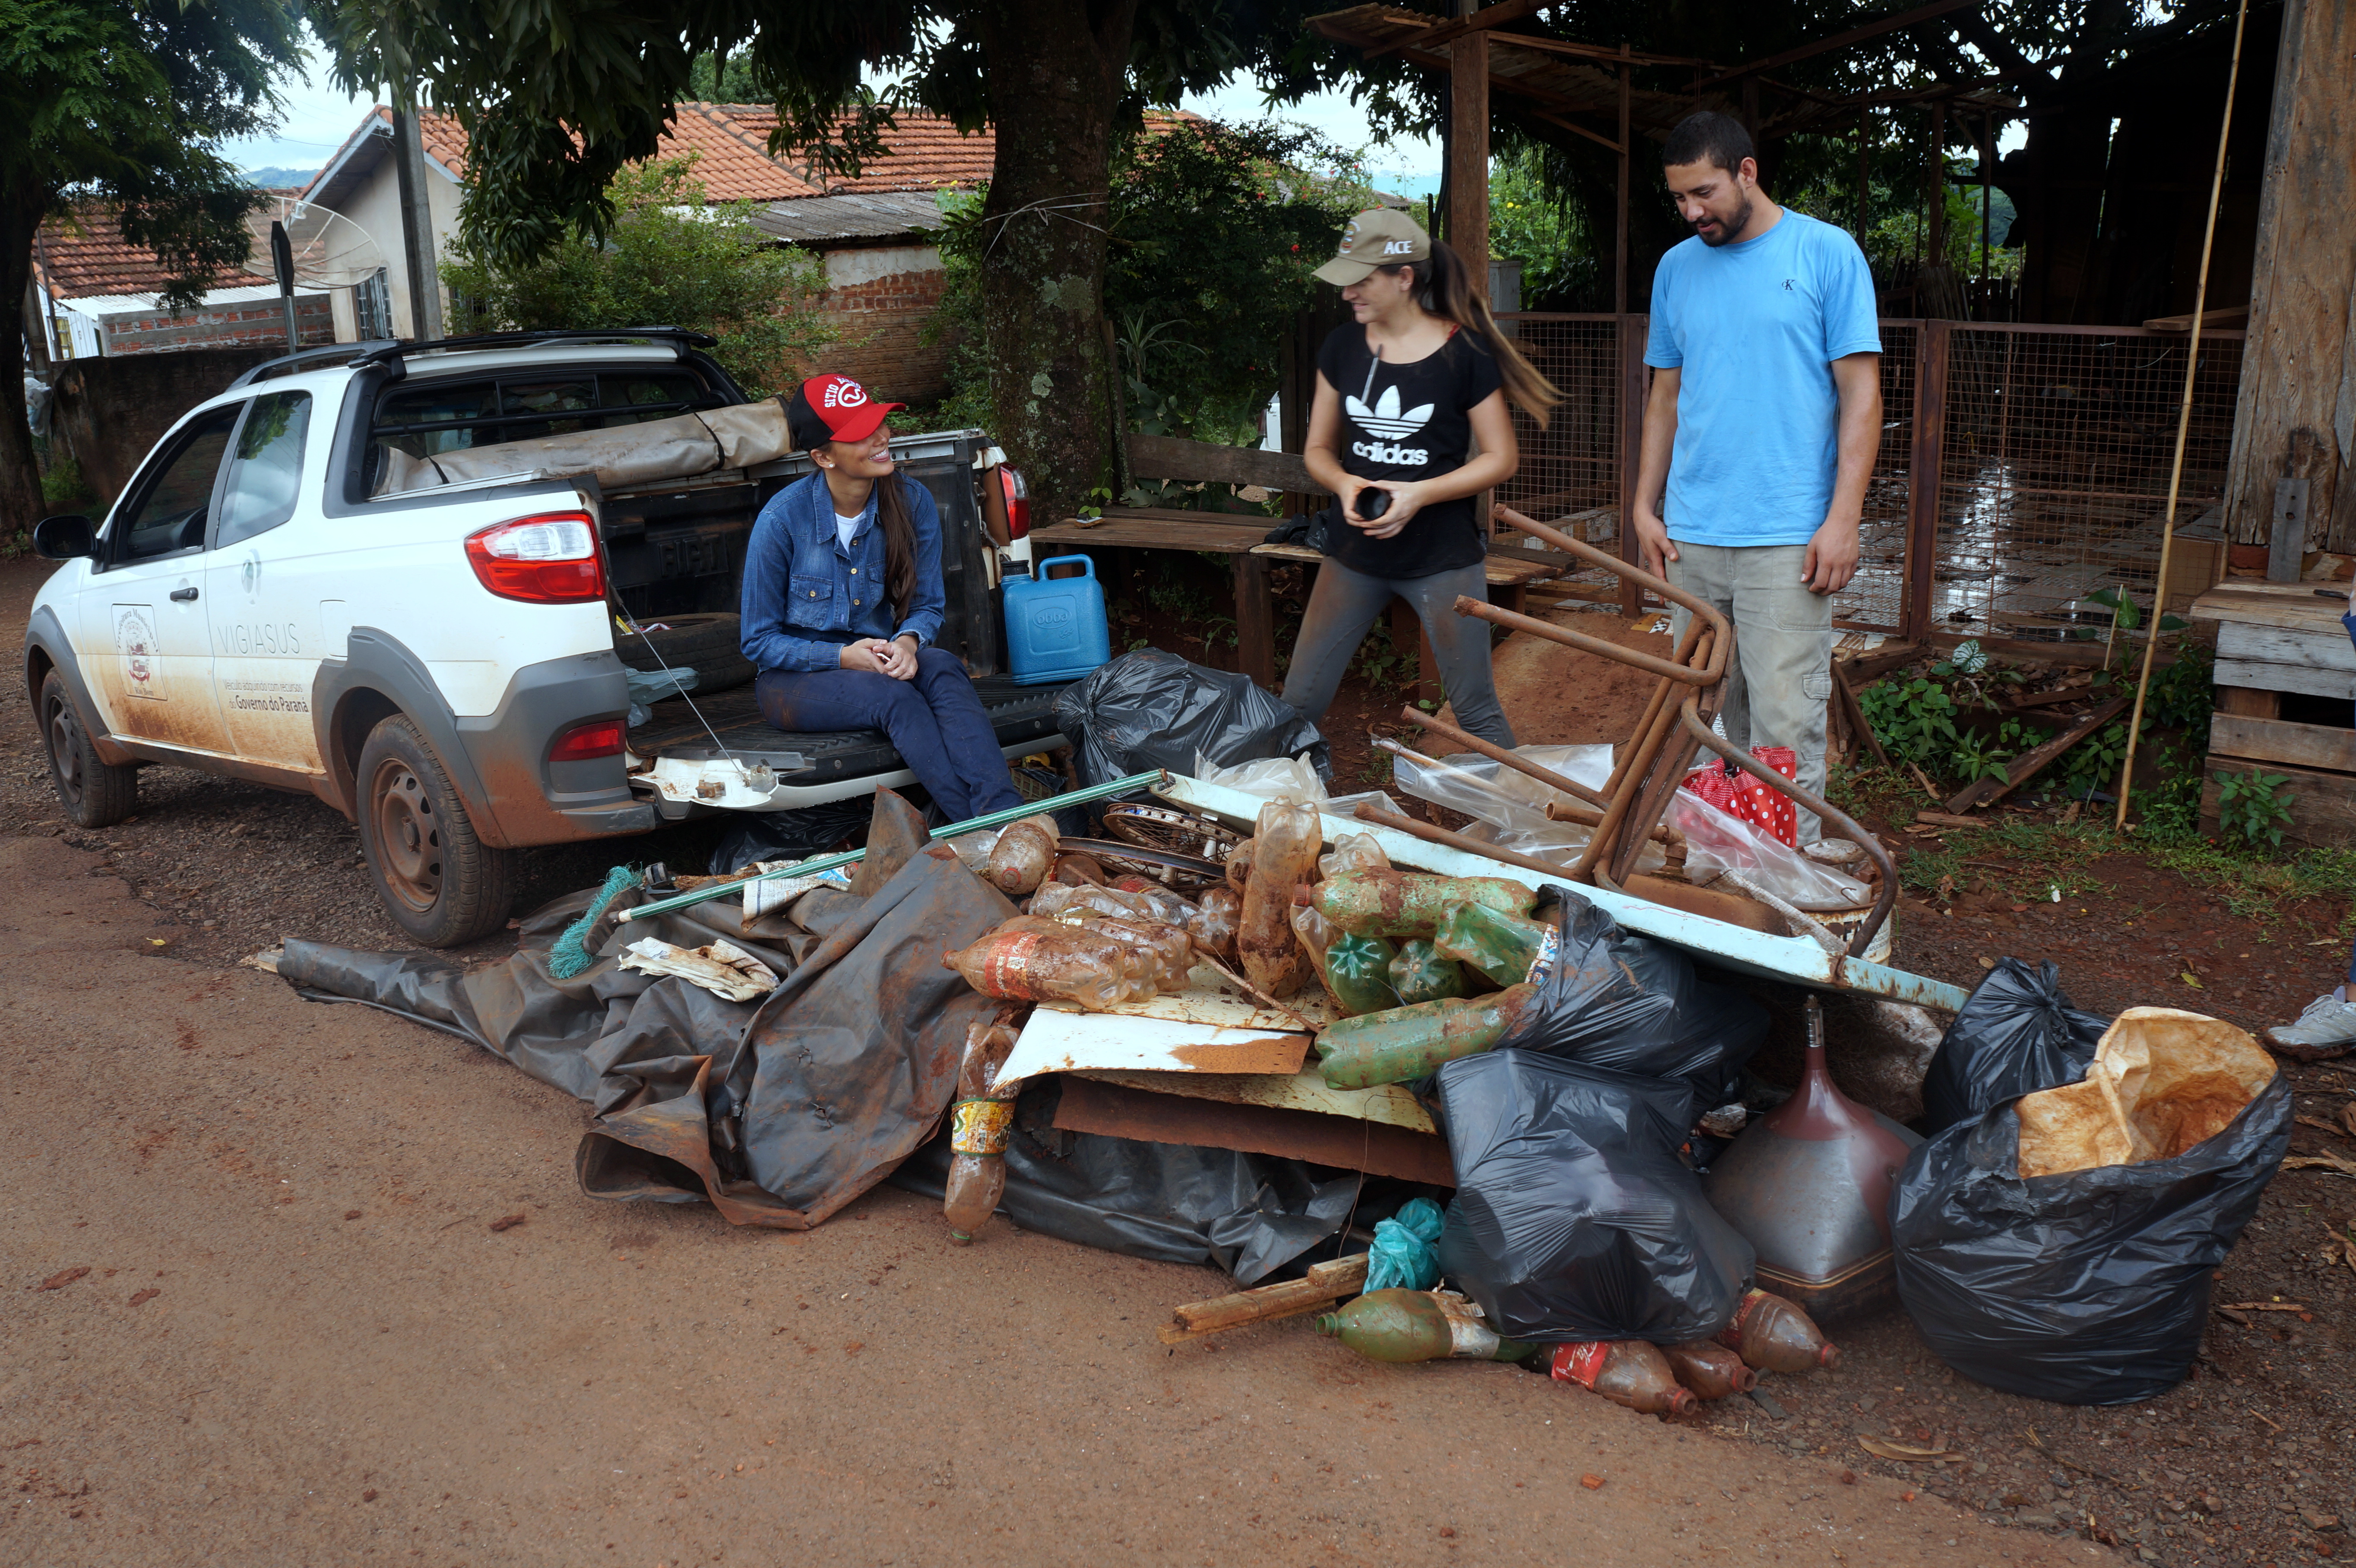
{"points": [[1055, 626]]}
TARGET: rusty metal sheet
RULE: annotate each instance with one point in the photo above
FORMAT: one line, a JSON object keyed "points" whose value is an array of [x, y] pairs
{"points": [[1388, 1103], [1202, 1006], [1116, 1110], [1060, 1040], [1795, 959]]}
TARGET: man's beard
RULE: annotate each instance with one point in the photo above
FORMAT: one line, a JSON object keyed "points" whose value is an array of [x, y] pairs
{"points": [[1730, 229]]}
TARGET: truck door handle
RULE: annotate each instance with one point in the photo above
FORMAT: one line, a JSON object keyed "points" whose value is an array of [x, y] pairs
{"points": [[183, 595]]}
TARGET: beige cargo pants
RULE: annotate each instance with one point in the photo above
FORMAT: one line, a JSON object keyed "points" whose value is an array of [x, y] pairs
{"points": [[1781, 678]]}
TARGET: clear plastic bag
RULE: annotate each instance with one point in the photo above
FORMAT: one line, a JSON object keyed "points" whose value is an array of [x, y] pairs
{"points": [[1353, 852], [1719, 841], [1270, 778], [1508, 807]]}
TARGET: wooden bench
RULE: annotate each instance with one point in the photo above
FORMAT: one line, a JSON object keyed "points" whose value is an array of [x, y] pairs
{"points": [[2274, 638], [1239, 537]]}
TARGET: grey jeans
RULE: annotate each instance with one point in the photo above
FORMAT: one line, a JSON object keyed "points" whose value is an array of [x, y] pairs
{"points": [[1781, 678], [1344, 603]]}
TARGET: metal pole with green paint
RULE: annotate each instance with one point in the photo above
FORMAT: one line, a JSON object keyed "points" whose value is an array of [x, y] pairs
{"points": [[955, 829]]}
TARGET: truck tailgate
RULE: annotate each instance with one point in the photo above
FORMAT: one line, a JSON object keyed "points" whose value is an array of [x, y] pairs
{"points": [[837, 764]]}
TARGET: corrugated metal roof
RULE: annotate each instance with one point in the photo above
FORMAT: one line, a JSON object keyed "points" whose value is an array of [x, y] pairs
{"points": [[877, 216], [211, 299]]}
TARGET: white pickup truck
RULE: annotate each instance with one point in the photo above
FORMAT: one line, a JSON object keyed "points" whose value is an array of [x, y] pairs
{"points": [[265, 601]]}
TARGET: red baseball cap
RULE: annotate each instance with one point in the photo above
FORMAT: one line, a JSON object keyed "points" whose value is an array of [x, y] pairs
{"points": [[833, 408]]}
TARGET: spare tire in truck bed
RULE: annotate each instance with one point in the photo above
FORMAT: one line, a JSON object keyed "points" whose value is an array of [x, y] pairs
{"points": [[705, 643]]}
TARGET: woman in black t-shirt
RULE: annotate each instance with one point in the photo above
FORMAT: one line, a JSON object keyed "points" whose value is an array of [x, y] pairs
{"points": [[1403, 391]]}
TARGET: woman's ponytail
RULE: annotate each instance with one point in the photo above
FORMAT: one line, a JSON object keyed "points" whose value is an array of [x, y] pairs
{"points": [[1444, 288], [899, 542]]}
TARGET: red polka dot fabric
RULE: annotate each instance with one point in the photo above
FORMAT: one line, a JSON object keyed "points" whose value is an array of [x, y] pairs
{"points": [[1737, 794]]}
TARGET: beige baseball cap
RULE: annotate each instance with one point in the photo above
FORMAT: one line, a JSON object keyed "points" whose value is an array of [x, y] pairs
{"points": [[1378, 237]]}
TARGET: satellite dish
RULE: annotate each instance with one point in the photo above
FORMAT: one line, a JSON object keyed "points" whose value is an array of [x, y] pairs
{"points": [[329, 251]]}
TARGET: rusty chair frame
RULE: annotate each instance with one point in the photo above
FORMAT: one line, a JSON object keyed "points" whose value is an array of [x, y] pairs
{"points": [[1627, 812]]}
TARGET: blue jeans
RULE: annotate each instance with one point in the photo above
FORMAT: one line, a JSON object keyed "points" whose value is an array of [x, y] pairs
{"points": [[935, 722], [1344, 604]]}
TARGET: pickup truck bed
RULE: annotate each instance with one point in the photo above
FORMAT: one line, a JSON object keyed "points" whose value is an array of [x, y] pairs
{"points": [[1021, 715]]}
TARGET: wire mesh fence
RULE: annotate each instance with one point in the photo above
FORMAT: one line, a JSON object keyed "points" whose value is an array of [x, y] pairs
{"points": [[2049, 457], [2053, 474]]}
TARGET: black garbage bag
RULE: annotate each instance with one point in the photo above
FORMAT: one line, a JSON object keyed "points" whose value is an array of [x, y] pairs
{"points": [[2017, 1034], [1618, 1000], [1250, 1214], [1574, 1219], [1153, 709], [777, 1112], [2086, 1287], [791, 834]]}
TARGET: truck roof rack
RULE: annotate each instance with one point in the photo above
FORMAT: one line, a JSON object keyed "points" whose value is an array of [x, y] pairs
{"points": [[685, 337], [287, 364]]}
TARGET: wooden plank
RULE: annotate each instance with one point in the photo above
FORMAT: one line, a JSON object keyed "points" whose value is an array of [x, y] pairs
{"points": [[2300, 648], [1866, 669], [1089, 1107], [2249, 701], [1987, 792], [1208, 462], [2322, 807], [2302, 275], [1305, 1091], [1500, 573], [1854, 711], [2273, 741], [1119, 533], [2286, 677], [1926, 458], [2307, 614], [2232, 316]]}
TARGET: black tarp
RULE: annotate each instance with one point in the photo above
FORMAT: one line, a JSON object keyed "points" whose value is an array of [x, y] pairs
{"points": [[781, 1111]]}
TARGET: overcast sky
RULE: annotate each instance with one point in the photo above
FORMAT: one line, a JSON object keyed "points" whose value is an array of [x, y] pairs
{"points": [[318, 118]]}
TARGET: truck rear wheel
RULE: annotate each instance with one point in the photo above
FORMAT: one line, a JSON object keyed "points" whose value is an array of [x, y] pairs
{"points": [[440, 882], [95, 794]]}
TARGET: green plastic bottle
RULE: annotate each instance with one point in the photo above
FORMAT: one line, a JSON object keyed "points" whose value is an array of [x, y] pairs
{"points": [[1358, 973], [1419, 1326], [1420, 975], [1413, 1042], [1381, 901], [1502, 946]]}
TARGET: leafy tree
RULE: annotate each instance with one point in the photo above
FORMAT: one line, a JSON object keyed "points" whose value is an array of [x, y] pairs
{"points": [[1539, 228], [671, 257], [558, 99], [122, 103]]}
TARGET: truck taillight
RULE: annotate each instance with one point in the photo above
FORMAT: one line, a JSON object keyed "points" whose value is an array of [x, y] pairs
{"points": [[586, 743], [1018, 501], [551, 559]]}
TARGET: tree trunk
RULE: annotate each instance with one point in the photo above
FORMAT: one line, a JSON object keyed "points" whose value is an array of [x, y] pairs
{"points": [[20, 476], [1056, 70]]}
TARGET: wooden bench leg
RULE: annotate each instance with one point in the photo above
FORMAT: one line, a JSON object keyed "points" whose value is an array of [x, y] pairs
{"points": [[1407, 632], [1255, 620]]}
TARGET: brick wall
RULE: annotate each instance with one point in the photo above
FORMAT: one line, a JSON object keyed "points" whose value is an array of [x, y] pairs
{"points": [[113, 410], [260, 323], [881, 301]]}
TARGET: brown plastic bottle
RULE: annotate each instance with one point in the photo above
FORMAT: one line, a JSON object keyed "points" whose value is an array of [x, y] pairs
{"points": [[1631, 1373], [1284, 855], [1171, 949], [1214, 922], [1135, 964], [1770, 1333], [1065, 965], [1709, 1369], [1021, 858], [980, 1120], [1239, 864]]}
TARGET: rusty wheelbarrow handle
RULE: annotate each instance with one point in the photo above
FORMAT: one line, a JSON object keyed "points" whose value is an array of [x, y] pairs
{"points": [[1633, 574], [1709, 673], [1883, 899]]}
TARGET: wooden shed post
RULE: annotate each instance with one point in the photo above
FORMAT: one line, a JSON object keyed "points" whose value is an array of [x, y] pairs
{"points": [[2296, 416], [1468, 150]]}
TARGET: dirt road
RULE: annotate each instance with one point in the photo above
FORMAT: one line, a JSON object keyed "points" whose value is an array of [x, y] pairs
{"points": [[263, 1313]]}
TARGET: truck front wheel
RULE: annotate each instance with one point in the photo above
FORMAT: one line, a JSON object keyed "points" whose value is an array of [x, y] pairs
{"points": [[440, 883], [95, 794]]}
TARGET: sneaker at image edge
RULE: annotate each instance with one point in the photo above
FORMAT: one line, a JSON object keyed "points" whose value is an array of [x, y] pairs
{"points": [[2328, 1028]]}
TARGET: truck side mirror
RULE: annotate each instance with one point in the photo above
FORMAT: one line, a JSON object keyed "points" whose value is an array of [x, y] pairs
{"points": [[67, 537]]}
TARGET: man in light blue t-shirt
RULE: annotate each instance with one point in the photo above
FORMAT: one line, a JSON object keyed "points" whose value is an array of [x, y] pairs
{"points": [[1759, 432]]}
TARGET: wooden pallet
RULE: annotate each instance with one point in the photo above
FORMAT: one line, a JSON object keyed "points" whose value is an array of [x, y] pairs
{"points": [[2272, 638]]}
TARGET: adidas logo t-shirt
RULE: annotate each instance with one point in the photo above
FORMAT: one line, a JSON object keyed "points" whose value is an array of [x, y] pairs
{"points": [[1407, 422]]}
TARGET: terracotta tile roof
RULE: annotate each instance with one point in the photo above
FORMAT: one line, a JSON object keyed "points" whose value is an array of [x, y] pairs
{"points": [[94, 260], [927, 152]]}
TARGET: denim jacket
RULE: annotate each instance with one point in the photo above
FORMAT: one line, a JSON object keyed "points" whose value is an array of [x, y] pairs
{"points": [[807, 594]]}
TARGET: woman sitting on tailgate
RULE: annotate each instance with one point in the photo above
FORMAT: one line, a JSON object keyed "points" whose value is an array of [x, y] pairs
{"points": [[842, 598]]}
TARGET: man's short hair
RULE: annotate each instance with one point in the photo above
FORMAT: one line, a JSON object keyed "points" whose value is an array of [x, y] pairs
{"points": [[1707, 137]]}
